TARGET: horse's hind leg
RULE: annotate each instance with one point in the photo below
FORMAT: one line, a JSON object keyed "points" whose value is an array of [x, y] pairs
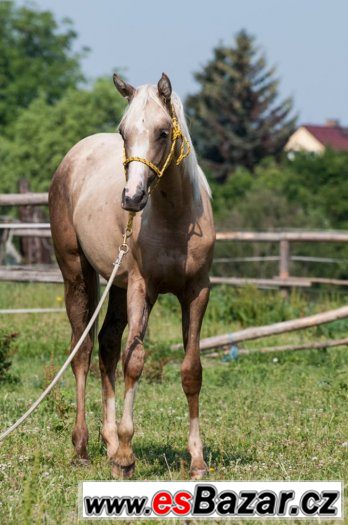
{"points": [[193, 303], [81, 292], [110, 337]]}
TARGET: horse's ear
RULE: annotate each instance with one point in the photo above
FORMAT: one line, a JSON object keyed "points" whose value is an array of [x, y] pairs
{"points": [[164, 88], [123, 87]]}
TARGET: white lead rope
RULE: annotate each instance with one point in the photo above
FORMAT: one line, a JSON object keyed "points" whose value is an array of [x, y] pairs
{"points": [[117, 264]]}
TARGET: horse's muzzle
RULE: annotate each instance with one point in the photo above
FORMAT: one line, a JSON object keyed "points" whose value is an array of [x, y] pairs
{"points": [[135, 203]]}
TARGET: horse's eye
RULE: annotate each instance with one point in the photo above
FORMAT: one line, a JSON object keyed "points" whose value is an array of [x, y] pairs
{"points": [[163, 134]]}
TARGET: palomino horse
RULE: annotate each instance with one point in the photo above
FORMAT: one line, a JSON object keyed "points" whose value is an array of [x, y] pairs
{"points": [[170, 250]]}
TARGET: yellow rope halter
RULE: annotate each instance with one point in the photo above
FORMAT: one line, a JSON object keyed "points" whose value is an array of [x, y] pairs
{"points": [[177, 134], [185, 150]]}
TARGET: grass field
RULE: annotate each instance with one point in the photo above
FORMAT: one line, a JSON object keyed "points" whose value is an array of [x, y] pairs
{"points": [[271, 416]]}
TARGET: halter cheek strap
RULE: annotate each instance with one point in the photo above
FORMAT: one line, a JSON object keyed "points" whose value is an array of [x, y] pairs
{"points": [[177, 134]]}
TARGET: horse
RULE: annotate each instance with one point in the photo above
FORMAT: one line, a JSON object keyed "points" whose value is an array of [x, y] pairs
{"points": [[170, 251]]}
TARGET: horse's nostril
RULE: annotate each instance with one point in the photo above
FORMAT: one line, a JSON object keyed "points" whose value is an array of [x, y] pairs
{"points": [[135, 202], [134, 199], [138, 197]]}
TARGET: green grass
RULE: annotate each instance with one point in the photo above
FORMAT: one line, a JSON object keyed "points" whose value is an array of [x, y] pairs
{"points": [[267, 417]]}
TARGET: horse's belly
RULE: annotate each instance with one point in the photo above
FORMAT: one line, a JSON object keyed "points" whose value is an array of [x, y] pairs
{"points": [[168, 270], [101, 254]]}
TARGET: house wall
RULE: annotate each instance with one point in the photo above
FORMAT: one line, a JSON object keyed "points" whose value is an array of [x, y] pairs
{"points": [[303, 140]]}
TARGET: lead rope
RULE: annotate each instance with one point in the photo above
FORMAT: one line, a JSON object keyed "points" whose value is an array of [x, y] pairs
{"points": [[122, 251]]}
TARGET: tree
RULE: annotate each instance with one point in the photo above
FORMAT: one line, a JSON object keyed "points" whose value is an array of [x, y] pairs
{"points": [[43, 133], [236, 117], [35, 57]]}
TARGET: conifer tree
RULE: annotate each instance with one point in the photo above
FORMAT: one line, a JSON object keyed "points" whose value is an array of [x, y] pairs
{"points": [[236, 116]]}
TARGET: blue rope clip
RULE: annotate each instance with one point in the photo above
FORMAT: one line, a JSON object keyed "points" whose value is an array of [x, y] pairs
{"points": [[232, 354]]}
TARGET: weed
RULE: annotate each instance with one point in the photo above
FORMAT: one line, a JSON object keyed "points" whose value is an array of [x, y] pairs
{"points": [[6, 354], [55, 401]]}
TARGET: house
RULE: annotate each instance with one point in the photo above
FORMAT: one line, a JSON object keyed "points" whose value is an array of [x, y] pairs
{"points": [[316, 139]]}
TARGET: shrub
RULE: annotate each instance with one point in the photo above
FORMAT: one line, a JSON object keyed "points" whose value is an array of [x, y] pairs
{"points": [[6, 353]]}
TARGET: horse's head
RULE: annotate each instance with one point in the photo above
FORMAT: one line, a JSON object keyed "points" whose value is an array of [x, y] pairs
{"points": [[146, 131]]}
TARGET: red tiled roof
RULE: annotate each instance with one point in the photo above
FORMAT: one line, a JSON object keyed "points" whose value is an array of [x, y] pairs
{"points": [[335, 137]]}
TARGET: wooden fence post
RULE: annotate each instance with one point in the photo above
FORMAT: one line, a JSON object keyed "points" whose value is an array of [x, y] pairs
{"points": [[33, 249], [284, 260], [284, 263], [3, 239]]}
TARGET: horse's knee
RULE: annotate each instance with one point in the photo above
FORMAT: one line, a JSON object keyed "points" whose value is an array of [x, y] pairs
{"points": [[191, 375], [133, 361]]}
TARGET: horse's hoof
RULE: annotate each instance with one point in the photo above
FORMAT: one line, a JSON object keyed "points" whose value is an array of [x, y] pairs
{"points": [[122, 471], [80, 462], [198, 473]]}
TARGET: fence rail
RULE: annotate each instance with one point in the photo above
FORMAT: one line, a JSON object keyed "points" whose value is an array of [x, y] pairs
{"points": [[23, 199], [259, 332], [275, 258], [290, 236], [27, 229]]}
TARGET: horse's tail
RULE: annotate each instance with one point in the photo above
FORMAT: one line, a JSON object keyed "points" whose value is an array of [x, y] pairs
{"points": [[93, 299]]}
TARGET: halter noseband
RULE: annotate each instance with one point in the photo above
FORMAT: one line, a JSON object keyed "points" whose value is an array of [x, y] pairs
{"points": [[177, 134]]}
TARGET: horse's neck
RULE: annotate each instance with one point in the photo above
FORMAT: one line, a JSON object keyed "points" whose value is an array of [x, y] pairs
{"points": [[172, 199]]}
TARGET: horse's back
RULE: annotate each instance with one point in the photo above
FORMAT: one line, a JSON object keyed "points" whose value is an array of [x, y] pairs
{"points": [[85, 161]]}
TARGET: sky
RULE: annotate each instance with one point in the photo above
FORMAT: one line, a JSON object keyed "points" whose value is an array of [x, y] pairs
{"points": [[307, 40]]}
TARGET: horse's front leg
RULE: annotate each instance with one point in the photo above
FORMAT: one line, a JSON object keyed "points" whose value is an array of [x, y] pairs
{"points": [[138, 309], [193, 303]]}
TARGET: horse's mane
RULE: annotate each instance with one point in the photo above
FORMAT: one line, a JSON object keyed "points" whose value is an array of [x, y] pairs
{"points": [[191, 166]]}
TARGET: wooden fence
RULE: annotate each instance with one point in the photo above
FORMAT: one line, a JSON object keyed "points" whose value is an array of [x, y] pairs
{"points": [[31, 248], [284, 239]]}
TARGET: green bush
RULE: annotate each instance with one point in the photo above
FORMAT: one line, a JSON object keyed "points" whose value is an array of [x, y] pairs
{"points": [[251, 307], [309, 191], [6, 353]]}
